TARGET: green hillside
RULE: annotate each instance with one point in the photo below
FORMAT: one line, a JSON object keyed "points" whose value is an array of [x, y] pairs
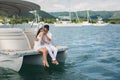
{"points": [[42, 15], [46, 15], [116, 15]]}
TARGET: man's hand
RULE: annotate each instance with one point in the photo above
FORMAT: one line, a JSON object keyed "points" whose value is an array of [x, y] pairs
{"points": [[35, 39], [49, 39], [47, 42]]}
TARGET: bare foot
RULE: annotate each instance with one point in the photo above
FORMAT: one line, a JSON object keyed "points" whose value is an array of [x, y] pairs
{"points": [[47, 65], [55, 62], [44, 63]]}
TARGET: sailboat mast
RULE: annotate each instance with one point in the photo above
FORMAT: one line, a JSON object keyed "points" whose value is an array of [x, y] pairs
{"points": [[70, 15], [77, 16], [88, 17], [69, 10]]}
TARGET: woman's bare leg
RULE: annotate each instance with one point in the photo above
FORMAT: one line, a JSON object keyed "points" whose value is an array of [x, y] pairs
{"points": [[45, 57], [44, 53]]}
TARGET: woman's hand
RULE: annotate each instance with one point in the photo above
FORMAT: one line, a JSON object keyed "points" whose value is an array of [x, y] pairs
{"points": [[35, 39]]}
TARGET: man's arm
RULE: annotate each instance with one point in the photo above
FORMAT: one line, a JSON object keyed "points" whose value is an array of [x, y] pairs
{"points": [[49, 36]]}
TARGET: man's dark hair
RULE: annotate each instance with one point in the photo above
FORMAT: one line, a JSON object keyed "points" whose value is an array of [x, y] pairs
{"points": [[46, 26]]}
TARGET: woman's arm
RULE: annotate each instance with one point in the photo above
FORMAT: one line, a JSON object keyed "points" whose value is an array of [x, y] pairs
{"points": [[41, 38], [35, 39]]}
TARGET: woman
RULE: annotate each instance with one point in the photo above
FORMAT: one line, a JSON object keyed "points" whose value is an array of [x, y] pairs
{"points": [[38, 46]]}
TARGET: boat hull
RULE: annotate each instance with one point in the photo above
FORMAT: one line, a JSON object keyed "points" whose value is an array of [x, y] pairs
{"points": [[11, 62], [37, 59]]}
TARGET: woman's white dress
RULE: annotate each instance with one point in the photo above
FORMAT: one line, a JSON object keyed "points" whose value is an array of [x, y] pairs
{"points": [[38, 44]]}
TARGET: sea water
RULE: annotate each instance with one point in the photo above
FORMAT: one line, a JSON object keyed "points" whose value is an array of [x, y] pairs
{"points": [[93, 54]]}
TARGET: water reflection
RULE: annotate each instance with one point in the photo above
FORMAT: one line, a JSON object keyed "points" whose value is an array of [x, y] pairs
{"points": [[8, 74], [35, 72]]}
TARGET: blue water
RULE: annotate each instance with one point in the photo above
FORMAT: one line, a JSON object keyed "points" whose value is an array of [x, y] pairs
{"points": [[93, 54]]}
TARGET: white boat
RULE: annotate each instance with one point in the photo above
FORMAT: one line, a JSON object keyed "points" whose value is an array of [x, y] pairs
{"points": [[86, 23], [100, 22], [16, 48], [16, 44]]}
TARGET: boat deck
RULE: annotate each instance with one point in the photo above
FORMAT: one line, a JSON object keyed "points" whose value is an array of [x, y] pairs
{"points": [[20, 53]]}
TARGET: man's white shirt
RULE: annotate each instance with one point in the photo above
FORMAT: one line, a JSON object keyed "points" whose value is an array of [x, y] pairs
{"points": [[49, 34]]}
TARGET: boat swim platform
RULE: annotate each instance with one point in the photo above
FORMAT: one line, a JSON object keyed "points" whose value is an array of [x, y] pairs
{"points": [[31, 56], [22, 53]]}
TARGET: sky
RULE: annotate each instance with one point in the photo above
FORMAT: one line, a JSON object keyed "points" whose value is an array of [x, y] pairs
{"points": [[77, 5]]}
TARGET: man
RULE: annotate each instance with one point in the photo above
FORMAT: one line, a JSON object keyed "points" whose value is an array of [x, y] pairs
{"points": [[51, 49]]}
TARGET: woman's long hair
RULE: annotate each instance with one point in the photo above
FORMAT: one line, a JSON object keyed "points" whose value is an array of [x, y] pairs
{"points": [[39, 31]]}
